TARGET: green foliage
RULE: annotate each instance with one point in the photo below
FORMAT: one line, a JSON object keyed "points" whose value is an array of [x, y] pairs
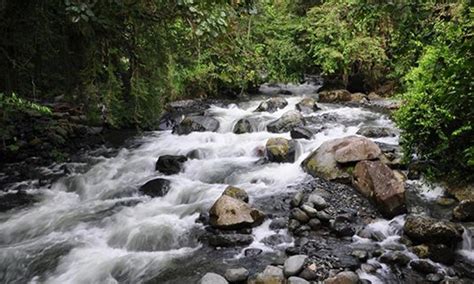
{"points": [[437, 117]]}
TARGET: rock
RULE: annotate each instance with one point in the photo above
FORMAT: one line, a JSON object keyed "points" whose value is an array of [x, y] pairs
{"points": [[314, 224], [280, 150], [396, 257], [293, 225], [445, 201], [323, 216], [212, 278], [425, 229], [236, 193], [246, 125], [294, 265], [318, 201], [13, 200], [302, 231], [359, 98], [278, 223], [196, 124], [309, 273], [251, 252], [376, 131], [229, 240], [377, 181], [156, 187], [441, 253], [325, 161], [231, 213], [462, 192], [297, 199], [297, 280], [272, 105], [422, 251], [342, 228], [374, 96], [335, 96], [307, 105], [464, 211], [361, 255], [271, 275], [423, 266], [345, 277], [186, 106], [434, 277], [170, 165], [301, 133], [309, 210], [286, 122], [299, 215], [234, 275]]}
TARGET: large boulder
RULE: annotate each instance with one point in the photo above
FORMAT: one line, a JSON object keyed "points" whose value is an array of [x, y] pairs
{"points": [[156, 187], [424, 229], [307, 105], [247, 125], [334, 96], [286, 122], [230, 213], [329, 159], [196, 123], [280, 150], [169, 164], [272, 105], [464, 211], [378, 182], [236, 193]]}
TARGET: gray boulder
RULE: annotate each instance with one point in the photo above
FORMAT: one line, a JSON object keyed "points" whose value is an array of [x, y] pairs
{"points": [[196, 124], [212, 278], [286, 122], [272, 105], [294, 265], [156, 187]]}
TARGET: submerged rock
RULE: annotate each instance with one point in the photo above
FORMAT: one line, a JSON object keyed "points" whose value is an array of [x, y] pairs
{"points": [[272, 105], [156, 187], [307, 105], [231, 213], [236, 193], [280, 150], [169, 164], [429, 230], [229, 240], [378, 182], [196, 124], [286, 122], [327, 161], [376, 131]]}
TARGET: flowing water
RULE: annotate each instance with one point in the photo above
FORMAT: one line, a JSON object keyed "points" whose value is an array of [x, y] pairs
{"points": [[92, 226]]}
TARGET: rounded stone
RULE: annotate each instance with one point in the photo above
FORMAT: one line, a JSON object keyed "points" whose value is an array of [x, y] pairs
{"points": [[294, 265], [212, 278], [236, 274]]}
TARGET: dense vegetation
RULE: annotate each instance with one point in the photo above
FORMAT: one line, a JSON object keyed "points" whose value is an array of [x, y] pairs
{"points": [[120, 61]]}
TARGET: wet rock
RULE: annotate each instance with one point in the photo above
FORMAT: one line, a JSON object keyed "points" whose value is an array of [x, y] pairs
{"points": [[276, 239], [462, 192], [272, 105], [430, 230], [323, 216], [229, 240], [302, 231], [212, 278], [252, 252], [246, 125], [307, 105], [309, 272], [359, 98], [297, 199], [441, 253], [235, 275], [278, 223], [361, 255], [271, 275], [280, 150], [445, 201], [299, 215], [156, 187], [318, 201], [196, 124], [434, 277], [297, 280], [231, 213], [301, 133], [169, 164], [378, 182], [376, 131], [423, 266], [293, 225], [422, 251], [326, 161], [236, 193], [396, 257], [345, 277], [11, 200], [286, 122], [294, 265], [464, 211], [334, 96], [342, 228], [314, 224]]}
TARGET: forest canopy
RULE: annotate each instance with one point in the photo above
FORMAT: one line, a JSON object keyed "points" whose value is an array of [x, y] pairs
{"points": [[132, 57]]}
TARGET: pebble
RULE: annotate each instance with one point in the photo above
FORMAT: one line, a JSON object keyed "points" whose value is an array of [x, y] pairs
{"points": [[297, 199], [318, 201], [299, 215], [293, 225], [310, 211]]}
